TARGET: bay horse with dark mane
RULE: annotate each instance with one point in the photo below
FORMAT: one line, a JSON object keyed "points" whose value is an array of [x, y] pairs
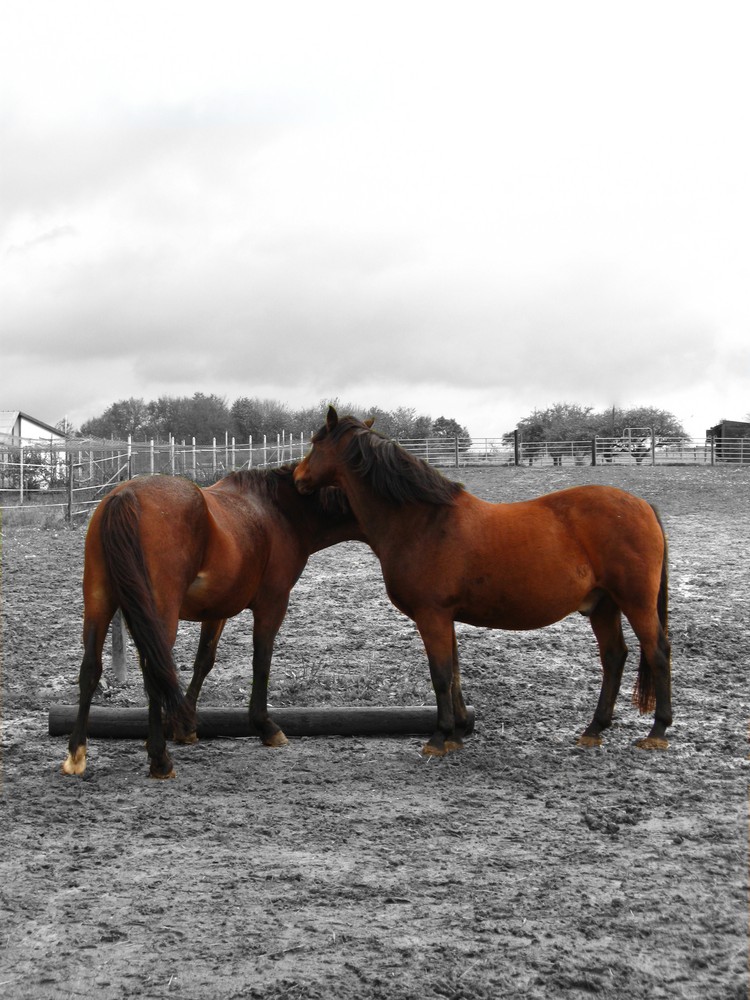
{"points": [[162, 549], [448, 556]]}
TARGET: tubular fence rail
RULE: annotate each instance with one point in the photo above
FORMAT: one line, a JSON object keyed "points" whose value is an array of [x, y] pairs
{"points": [[74, 475]]}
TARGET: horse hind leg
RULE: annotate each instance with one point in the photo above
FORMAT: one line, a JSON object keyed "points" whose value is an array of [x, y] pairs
{"points": [[88, 678], [606, 622], [160, 762], [653, 688]]}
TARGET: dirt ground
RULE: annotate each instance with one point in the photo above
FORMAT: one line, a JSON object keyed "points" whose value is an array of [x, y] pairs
{"points": [[521, 867]]}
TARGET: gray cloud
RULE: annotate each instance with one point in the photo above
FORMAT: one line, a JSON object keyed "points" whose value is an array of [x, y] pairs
{"points": [[496, 220]]}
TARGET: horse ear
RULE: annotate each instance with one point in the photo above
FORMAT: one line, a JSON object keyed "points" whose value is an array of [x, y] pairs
{"points": [[369, 422], [332, 418]]}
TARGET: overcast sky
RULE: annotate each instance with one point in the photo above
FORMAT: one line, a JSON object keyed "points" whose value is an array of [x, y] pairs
{"points": [[474, 209]]}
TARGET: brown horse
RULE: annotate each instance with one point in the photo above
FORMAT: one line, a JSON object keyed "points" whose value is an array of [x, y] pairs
{"points": [[448, 556], [163, 549]]}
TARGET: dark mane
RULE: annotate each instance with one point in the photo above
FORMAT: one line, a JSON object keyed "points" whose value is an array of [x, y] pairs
{"points": [[392, 472], [265, 483]]}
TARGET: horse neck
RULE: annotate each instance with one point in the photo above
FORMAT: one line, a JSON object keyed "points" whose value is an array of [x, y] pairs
{"points": [[327, 532], [377, 517], [314, 528]]}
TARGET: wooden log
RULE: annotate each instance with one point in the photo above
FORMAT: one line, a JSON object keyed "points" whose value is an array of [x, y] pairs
{"points": [[132, 723]]}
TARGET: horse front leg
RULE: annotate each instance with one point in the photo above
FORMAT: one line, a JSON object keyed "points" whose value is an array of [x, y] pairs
{"points": [[88, 677], [439, 638], [460, 715], [267, 621], [205, 658]]}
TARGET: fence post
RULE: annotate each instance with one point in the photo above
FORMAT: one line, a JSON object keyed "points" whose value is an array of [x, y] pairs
{"points": [[516, 448], [117, 631], [265, 450], [195, 462], [69, 511], [593, 450], [213, 458], [250, 452]]}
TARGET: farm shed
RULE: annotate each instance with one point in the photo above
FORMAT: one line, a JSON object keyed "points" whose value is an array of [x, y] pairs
{"points": [[32, 453], [16, 426], [729, 429], [730, 440]]}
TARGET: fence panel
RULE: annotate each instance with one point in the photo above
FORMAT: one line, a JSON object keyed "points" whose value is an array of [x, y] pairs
{"points": [[38, 473], [551, 453]]}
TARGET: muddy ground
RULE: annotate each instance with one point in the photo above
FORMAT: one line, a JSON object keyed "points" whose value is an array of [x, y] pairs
{"points": [[521, 867]]}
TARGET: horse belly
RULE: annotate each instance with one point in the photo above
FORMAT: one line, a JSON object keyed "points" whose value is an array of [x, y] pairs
{"points": [[234, 562], [215, 595], [528, 601], [513, 618]]}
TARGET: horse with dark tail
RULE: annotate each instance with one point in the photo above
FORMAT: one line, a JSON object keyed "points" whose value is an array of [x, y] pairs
{"points": [[126, 583], [165, 550]]}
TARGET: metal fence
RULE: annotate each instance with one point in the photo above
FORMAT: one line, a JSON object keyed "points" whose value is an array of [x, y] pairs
{"points": [[74, 475], [459, 452]]}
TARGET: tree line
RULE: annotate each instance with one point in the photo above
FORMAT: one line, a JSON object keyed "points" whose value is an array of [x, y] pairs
{"points": [[205, 417], [571, 422]]}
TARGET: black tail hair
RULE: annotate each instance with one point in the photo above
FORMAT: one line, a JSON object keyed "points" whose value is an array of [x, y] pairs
{"points": [[131, 586]]}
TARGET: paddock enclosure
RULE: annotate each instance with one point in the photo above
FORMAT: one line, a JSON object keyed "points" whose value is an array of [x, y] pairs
{"points": [[337, 867]]}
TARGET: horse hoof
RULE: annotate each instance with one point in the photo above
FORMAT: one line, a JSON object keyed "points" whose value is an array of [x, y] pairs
{"points": [[652, 743], [161, 776], [276, 740], [75, 763], [428, 750], [456, 743], [188, 739], [589, 741]]}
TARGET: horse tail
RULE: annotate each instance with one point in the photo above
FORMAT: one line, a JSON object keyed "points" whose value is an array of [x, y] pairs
{"points": [[644, 695], [131, 587]]}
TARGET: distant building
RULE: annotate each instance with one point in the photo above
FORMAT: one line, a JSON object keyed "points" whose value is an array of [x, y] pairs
{"points": [[16, 426]]}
